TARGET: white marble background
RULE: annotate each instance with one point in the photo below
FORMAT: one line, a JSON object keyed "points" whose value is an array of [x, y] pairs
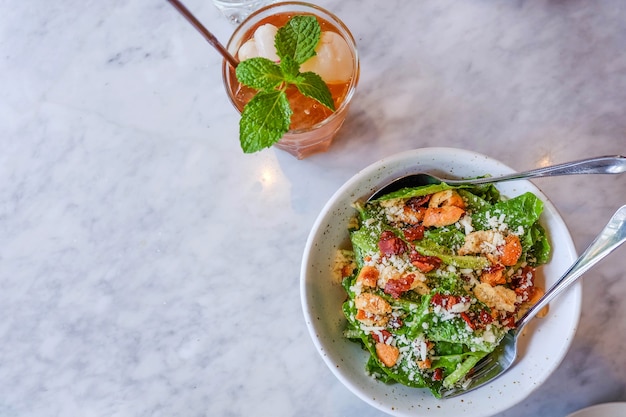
{"points": [[149, 268]]}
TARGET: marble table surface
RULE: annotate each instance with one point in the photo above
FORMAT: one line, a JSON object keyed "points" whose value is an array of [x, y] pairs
{"points": [[149, 268]]}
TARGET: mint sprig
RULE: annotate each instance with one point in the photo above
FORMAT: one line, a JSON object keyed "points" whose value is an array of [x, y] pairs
{"points": [[266, 118], [298, 38]]}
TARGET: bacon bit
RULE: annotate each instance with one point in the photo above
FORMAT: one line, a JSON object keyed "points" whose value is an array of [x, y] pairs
{"points": [[508, 321], [389, 244], [418, 202], [424, 263], [525, 279], [413, 233], [452, 300], [438, 374], [395, 287], [377, 337], [524, 284], [447, 301], [526, 294], [437, 299], [468, 320], [485, 317], [387, 234]]}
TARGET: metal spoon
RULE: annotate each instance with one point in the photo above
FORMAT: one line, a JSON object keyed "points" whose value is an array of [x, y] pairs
{"points": [[600, 165]]}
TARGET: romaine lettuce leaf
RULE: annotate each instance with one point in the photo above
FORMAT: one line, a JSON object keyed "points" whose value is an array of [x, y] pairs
{"points": [[463, 367], [445, 237], [447, 348], [446, 283], [374, 368], [521, 211], [429, 248], [451, 331], [477, 201], [415, 192], [363, 242], [537, 241]]}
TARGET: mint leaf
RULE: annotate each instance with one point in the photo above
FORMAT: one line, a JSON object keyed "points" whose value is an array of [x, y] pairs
{"points": [[311, 85], [259, 73], [290, 69], [264, 120], [298, 38]]}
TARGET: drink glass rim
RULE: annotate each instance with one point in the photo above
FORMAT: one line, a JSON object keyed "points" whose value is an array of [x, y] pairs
{"points": [[232, 46]]}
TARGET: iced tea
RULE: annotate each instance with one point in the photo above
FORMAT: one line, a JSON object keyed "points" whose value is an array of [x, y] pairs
{"points": [[313, 125]]}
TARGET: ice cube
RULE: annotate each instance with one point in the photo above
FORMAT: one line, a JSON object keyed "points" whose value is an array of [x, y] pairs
{"points": [[260, 45], [333, 61], [264, 38], [247, 50]]}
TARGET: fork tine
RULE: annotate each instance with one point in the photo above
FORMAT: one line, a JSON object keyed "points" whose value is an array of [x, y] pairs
{"points": [[488, 368], [487, 361], [485, 371]]}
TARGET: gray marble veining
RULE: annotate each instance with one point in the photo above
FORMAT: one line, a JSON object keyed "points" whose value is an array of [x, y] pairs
{"points": [[149, 268]]}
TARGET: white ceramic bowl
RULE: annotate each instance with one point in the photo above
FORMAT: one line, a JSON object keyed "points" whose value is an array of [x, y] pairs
{"points": [[602, 410], [545, 341]]}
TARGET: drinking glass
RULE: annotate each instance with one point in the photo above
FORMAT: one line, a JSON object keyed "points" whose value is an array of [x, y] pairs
{"points": [[318, 137]]}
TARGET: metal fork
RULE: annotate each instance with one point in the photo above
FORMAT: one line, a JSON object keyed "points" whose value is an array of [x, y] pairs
{"points": [[504, 356]]}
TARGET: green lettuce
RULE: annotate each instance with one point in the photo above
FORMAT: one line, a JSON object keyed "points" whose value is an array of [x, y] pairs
{"points": [[522, 211], [457, 347], [430, 248]]}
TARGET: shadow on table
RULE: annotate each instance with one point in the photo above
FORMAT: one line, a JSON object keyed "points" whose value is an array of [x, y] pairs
{"points": [[314, 179]]}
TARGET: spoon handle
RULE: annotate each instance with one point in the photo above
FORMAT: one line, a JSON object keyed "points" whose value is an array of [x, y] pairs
{"points": [[599, 165], [611, 237]]}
